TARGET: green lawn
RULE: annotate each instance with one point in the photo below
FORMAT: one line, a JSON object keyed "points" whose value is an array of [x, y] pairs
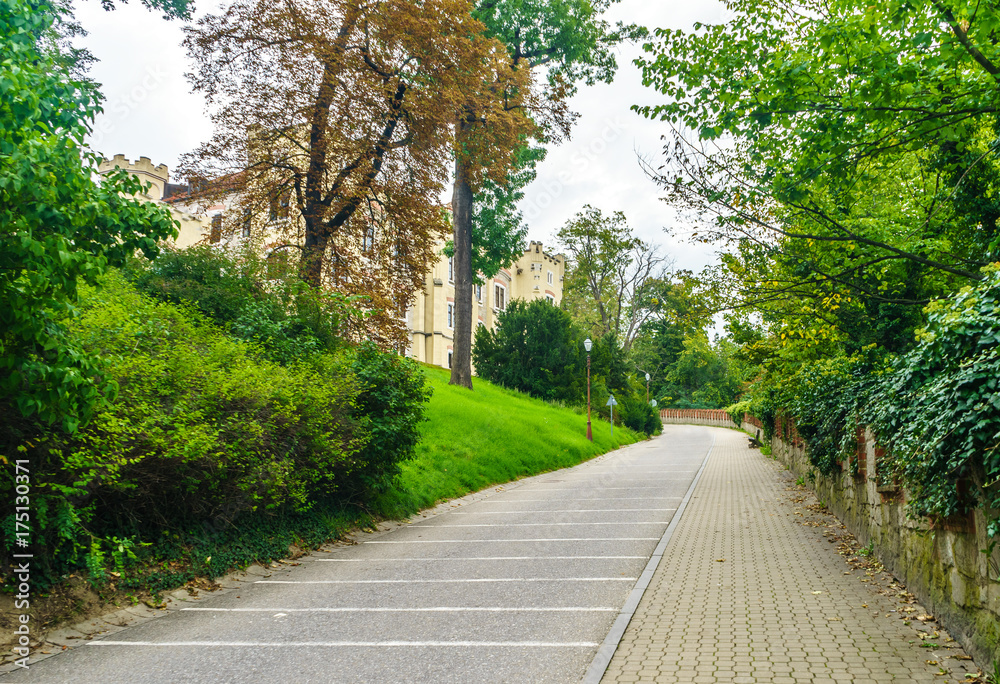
{"points": [[472, 440]]}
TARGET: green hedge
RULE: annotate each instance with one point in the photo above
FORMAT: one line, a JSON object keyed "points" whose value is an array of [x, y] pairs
{"points": [[205, 427]]}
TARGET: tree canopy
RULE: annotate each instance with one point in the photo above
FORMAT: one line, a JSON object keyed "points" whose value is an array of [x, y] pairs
{"points": [[843, 152], [612, 274], [334, 120], [558, 45]]}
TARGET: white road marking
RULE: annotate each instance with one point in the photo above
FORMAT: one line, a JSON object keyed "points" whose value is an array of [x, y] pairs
{"points": [[539, 524], [564, 510], [435, 559], [438, 609], [609, 498], [350, 644], [496, 541], [468, 580]]}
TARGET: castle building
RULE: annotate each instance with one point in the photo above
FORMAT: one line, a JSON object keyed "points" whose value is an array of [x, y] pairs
{"points": [[430, 320], [195, 222], [537, 274]]}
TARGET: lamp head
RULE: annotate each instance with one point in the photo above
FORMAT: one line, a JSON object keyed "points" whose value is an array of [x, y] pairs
{"points": [[587, 344], [647, 377]]}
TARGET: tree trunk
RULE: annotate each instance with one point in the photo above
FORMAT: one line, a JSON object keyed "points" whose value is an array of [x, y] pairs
{"points": [[461, 207], [313, 253]]}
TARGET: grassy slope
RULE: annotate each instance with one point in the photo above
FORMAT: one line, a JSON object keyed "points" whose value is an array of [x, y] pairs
{"points": [[472, 440]]}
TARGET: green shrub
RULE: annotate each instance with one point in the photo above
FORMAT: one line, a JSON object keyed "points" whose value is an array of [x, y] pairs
{"points": [[288, 319], [535, 349], [640, 416], [205, 427], [738, 410], [391, 402], [937, 413]]}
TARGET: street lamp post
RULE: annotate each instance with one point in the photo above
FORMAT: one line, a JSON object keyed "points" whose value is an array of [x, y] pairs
{"points": [[647, 388], [587, 344]]}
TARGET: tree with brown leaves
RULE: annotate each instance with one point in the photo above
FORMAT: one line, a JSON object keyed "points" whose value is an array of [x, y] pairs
{"points": [[335, 121]]}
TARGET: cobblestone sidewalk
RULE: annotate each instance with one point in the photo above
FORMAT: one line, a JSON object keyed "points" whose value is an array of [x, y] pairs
{"points": [[751, 588]]}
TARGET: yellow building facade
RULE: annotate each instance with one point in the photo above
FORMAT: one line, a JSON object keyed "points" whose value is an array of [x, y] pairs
{"points": [[537, 274]]}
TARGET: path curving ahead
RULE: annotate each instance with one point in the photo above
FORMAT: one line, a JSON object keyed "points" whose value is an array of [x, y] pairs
{"points": [[520, 586]]}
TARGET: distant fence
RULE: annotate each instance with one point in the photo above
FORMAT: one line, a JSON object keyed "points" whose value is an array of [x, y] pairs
{"points": [[697, 417]]}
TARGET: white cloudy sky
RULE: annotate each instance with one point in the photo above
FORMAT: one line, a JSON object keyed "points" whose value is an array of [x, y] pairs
{"points": [[151, 112]]}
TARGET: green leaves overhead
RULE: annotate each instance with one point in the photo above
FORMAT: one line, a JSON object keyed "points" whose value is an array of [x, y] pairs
{"points": [[836, 82]]}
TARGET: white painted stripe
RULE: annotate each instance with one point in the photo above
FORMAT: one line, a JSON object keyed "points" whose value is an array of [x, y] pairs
{"points": [[564, 510], [351, 644], [497, 541], [527, 488], [539, 524], [608, 498], [437, 609], [466, 580], [436, 559]]}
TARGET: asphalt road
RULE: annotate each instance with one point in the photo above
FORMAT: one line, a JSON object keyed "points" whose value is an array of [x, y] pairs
{"points": [[521, 586]]}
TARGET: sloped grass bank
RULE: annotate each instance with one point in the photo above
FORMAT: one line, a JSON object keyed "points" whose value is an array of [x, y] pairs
{"points": [[472, 440]]}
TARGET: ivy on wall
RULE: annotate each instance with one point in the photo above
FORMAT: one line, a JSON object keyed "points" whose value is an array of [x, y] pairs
{"points": [[935, 410]]}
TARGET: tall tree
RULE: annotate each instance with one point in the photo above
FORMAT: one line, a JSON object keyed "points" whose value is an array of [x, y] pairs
{"points": [[334, 124], [613, 275], [561, 43], [58, 227]]}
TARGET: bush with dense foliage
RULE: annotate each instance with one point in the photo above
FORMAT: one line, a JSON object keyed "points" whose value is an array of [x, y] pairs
{"points": [[253, 299], [640, 416], [206, 427], [938, 412], [58, 226], [535, 348]]}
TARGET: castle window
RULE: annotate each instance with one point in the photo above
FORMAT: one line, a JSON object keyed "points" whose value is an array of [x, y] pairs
{"points": [[247, 222], [368, 239], [550, 277], [451, 315], [279, 205], [216, 234], [499, 297]]}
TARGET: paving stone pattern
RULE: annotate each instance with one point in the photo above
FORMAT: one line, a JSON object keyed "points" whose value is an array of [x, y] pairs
{"points": [[749, 590]]}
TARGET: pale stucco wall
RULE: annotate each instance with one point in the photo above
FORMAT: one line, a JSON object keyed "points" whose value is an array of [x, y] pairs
{"points": [[432, 338]]}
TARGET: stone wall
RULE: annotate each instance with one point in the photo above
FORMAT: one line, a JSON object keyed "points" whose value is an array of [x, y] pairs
{"points": [[942, 562]]}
